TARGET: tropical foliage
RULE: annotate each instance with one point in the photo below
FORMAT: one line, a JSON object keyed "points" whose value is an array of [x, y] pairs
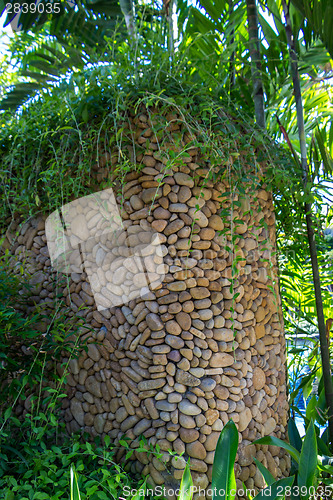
{"points": [[309, 475]]}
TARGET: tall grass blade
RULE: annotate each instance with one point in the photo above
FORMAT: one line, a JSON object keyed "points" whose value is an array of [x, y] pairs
{"points": [[75, 490], [186, 485]]}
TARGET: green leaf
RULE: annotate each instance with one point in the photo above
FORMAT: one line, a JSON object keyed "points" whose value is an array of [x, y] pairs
{"points": [[293, 434], [8, 413], [325, 156], [224, 461], [186, 485], [269, 478], [308, 461], [311, 408], [16, 452], [274, 441], [276, 490], [85, 114]]}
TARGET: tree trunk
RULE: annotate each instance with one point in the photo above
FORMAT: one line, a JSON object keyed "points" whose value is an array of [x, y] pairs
{"points": [[232, 69], [325, 357], [258, 91], [171, 42]]}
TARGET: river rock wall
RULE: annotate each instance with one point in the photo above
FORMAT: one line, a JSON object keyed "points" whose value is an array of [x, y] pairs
{"points": [[203, 347]]}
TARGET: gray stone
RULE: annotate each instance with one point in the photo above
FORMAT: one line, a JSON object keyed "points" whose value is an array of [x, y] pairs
{"points": [[197, 372], [186, 421], [121, 414], [99, 422], [184, 179], [93, 352], [151, 194], [154, 322], [189, 408], [207, 384], [136, 202], [175, 397], [73, 366], [77, 411], [164, 405], [186, 378], [100, 256], [79, 227], [148, 385], [174, 341], [93, 386], [129, 423], [141, 426], [178, 208]]}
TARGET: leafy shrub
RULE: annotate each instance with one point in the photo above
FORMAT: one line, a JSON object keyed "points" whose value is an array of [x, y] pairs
{"points": [[26, 354], [43, 472]]}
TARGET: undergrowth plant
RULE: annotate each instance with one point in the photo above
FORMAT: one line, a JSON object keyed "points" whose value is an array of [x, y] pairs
{"points": [[31, 389], [50, 474]]}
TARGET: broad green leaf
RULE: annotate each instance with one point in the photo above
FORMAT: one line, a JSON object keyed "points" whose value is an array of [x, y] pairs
{"points": [[311, 408], [276, 490], [269, 478], [9, 495], [295, 441], [186, 485], [308, 461], [293, 434], [274, 441], [224, 461], [323, 449]]}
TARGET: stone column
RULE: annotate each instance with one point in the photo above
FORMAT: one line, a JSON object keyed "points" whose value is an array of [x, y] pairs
{"points": [[205, 345]]}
